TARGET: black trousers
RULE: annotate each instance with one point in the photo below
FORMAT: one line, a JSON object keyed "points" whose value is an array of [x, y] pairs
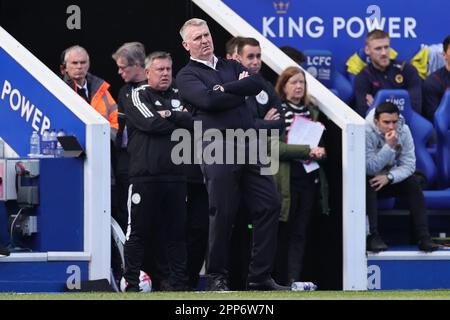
{"points": [[241, 242], [157, 227], [408, 190], [227, 184], [292, 234], [119, 196], [197, 230], [119, 199]]}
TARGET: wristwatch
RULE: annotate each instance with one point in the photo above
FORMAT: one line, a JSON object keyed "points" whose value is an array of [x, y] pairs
{"points": [[390, 177], [167, 114]]}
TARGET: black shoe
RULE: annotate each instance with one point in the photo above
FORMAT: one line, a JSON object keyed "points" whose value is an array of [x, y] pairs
{"points": [[375, 243], [266, 285], [291, 281], [217, 284], [4, 251], [164, 285], [181, 287], [132, 289], [427, 245]]}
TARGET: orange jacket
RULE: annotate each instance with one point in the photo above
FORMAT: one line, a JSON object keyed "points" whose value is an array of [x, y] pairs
{"points": [[99, 98], [104, 103]]}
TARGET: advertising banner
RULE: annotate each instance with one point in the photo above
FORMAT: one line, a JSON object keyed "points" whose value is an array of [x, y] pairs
{"points": [[27, 106], [341, 26]]}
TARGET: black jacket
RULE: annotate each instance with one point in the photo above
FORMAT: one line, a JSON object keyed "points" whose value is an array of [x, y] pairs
{"points": [[434, 89], [261, 103], [217, 109], [150, 144], [124, 94], [398, 75]]}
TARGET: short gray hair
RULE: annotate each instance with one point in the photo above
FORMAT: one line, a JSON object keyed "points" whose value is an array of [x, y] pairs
{"points": [[156, 55], [74, 48], [133, 52], [192, 22]]}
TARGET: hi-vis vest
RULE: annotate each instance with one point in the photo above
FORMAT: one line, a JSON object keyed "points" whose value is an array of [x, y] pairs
{"points": [[428, 59], [101, 100], [104, 103]]}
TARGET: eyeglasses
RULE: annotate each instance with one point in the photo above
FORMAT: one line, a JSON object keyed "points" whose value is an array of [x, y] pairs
{"points": [[123, 67]]}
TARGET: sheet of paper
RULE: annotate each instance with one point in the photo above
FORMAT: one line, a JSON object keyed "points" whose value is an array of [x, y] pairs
{"points": [[310, 166], [305, 131]]}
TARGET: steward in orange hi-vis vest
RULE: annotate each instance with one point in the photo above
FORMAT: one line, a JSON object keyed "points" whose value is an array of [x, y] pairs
{"points": [[99, 98]]}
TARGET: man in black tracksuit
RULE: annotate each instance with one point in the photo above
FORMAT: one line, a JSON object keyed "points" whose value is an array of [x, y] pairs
{"points": [[158, 186], [130, 60], [217, 88]]}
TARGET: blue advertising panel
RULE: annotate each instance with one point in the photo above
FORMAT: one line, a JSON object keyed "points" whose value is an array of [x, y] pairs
{"points": [[340, 26], [51, 276], [408, 274], [27, 106], [60, 211]]}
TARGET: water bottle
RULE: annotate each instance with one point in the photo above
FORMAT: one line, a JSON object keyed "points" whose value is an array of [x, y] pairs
{"points": [[52, 142], [35, 144], [46, 143], [303, 286], [59, 149]]}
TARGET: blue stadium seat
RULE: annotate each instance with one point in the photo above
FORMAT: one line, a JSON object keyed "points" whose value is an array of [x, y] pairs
{"points": [[437, 199], [442, 126], [319, 63], [386, 204], [342, 85], [355, 63]]}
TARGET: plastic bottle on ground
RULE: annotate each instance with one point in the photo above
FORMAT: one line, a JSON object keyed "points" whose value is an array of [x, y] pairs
{"points": [[303, 286]]}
